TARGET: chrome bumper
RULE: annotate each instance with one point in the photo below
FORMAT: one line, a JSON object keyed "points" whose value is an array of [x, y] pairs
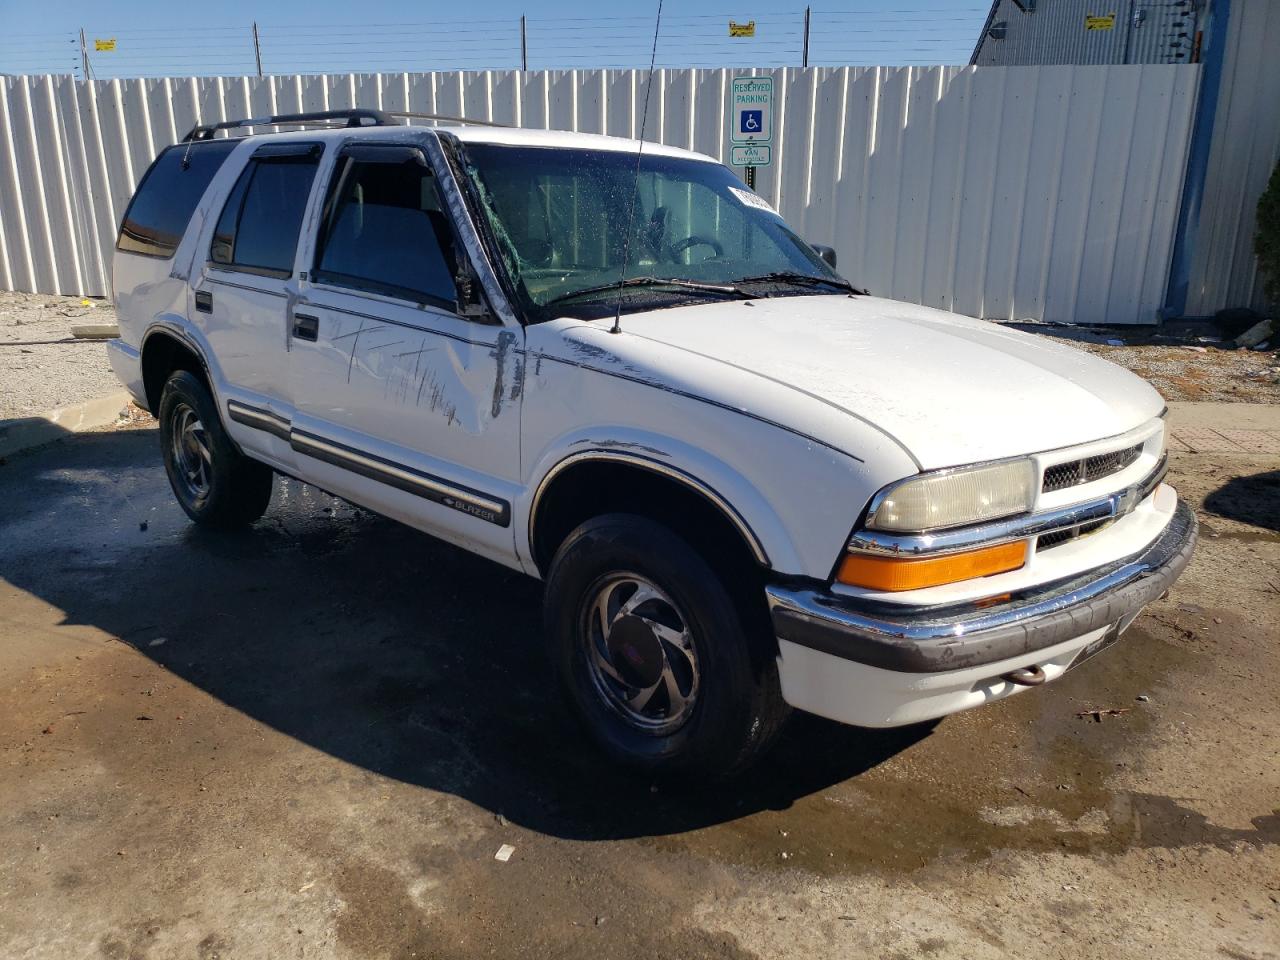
{"points": [[936, 639]]}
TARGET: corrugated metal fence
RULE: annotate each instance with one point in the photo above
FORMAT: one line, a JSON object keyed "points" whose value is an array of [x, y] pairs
{"points": [[1044, 192]]}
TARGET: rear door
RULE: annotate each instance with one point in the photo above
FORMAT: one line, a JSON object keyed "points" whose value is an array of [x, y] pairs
{"points": [[242, 295], [403, 404]]}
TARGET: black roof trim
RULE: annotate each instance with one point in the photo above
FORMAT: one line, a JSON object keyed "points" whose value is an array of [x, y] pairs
{"points": [[353, 118]]}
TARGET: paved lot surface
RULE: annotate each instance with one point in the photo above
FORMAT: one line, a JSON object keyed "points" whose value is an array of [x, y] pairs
{"points": [[310, 739]]}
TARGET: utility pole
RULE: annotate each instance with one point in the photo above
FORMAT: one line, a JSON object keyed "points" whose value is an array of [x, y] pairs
{"points": [[804, 61], [524, 46], [84, 54], [257, 48]]}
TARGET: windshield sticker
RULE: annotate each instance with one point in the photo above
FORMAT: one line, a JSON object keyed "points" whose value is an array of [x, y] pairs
{"points": [[752, 200]]}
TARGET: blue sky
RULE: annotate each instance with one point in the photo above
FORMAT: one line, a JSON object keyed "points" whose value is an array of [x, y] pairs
{"points": [[320, 36]]}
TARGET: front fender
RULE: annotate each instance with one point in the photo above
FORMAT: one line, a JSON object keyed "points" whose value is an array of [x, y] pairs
{"points": [[781, 539]]}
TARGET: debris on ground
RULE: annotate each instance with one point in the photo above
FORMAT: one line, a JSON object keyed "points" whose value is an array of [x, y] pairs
{"points": [[1256, 335], [1100, 713], [95, 331], [1180, 360], [504, 852]]}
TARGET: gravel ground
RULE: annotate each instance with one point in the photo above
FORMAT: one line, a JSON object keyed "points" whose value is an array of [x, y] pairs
{"points": [[1202, 370], [41, 366]]}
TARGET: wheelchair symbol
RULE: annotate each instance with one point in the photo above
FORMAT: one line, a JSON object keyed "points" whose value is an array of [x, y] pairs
{"points": [[752, 121]]}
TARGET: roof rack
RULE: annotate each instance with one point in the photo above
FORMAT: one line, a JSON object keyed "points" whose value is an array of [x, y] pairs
{"points": [[354, 118]]}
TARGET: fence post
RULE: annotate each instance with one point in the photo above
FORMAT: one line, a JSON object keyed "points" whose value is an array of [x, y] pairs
{"points": [[804, 57], [524, 46], [257, 48], [84, 54]]}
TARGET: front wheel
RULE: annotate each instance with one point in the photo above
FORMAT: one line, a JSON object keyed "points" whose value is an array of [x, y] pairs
{"points": [[215, 483], [657, 659]]}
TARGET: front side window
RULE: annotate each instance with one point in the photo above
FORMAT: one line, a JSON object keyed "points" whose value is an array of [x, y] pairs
{"points": [[385, 230], [559, 219], [260, 222], [162, 206]]}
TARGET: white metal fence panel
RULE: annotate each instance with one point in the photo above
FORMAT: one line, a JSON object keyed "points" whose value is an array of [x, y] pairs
{"points": [[1007, 192]]}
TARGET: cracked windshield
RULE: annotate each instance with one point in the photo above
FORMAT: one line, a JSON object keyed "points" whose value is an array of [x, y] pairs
{"points": [[560, 219]]}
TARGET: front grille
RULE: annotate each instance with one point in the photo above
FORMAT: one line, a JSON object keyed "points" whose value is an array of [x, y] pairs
{"points": [[1059, 537], [1087, 469]]}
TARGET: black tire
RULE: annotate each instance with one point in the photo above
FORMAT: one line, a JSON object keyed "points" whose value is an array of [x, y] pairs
{"points": [[736, 709], [215, 483]]}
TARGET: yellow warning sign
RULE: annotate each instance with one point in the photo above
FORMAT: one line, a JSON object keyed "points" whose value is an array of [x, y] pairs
{"points": [[747, 29], [1107, 22], [104, 46]]}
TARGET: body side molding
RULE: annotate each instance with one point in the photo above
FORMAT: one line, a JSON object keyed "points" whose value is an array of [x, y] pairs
{"points": [[401, 476]]}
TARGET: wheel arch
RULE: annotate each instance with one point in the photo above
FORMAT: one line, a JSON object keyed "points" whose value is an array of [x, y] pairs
{"points": [[591, 481], [165, 348]]}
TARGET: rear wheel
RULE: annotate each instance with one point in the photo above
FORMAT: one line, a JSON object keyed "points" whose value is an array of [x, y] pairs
{"points": [[215, 484], [663, 667]]}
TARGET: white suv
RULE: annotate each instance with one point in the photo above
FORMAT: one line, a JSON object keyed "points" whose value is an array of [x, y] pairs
{"points": [[745, 482]]}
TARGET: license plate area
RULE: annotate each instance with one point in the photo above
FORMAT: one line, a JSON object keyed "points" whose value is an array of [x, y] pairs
{"points": [[1108, 639]]}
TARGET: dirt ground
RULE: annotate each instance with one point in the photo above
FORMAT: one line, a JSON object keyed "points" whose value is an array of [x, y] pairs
{"points": [[42, 367], [310, 740], [1184, 361], [1198, 372]]}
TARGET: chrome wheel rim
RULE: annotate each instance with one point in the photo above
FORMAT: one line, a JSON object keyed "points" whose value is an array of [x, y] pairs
{"points": [[640, 653], [192, 455]]}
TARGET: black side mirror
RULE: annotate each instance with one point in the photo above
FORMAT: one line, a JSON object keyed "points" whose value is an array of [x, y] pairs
{"points": [[828, 254], [471, 301]]}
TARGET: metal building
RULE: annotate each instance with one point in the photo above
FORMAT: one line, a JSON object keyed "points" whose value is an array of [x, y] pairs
{"points": [[1024, 32], [1236, 139]]}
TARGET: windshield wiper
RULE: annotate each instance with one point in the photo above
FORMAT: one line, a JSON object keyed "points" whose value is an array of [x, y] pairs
{"points": [[720, 288], [801, 279]]}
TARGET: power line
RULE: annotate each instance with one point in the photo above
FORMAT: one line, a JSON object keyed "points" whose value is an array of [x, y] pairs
{"points": [[607, 42]]}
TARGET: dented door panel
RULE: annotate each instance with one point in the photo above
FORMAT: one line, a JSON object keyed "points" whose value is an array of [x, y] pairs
{"points": [[412, 411]]}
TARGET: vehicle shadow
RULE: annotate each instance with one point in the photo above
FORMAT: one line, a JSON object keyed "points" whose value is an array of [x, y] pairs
{"points": [[1254, 500], [363, 639]]}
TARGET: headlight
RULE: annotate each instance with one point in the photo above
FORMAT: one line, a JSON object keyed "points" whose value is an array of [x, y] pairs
{"points": [[955, 497]]}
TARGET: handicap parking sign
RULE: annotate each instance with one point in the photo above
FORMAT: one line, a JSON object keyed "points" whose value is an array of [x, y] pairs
{"points": [[751, 117]]}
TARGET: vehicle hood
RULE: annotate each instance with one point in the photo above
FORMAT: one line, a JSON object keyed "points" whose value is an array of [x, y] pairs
{"points": [[948, 388]]}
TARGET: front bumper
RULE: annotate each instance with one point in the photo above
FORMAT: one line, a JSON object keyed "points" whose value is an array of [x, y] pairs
{"points": [[885, 665]]}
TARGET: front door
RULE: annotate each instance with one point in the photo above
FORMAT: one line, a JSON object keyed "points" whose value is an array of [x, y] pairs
{"points": [[403, 404]]}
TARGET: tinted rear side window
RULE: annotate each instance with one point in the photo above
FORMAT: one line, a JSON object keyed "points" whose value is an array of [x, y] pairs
{"points": [[162, 206], [259, 226]]}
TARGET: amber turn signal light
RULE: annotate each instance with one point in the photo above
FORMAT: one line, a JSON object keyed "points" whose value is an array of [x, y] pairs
{"points": [[903, 573]]}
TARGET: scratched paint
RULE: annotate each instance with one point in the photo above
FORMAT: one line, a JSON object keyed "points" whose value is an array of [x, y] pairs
{"points": [[505, 340]]}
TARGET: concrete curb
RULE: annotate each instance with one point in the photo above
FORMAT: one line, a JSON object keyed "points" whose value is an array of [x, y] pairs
{"points": [[23, 433]]}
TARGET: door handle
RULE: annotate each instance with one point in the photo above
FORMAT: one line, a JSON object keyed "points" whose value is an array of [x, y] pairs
{"points": [[306, 327], [204, 301]]}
